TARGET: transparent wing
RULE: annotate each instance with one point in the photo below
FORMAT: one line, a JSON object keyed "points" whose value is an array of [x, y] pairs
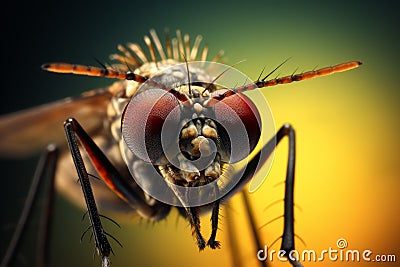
{"points": [[25, 132]]}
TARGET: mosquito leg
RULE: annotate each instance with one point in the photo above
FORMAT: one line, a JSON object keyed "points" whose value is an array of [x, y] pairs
{"points": [[120, 185], [192, 216], [102, 245], [123, 186], [194, 220], [48, 210], [251, 218], [288, 228], [212, 243], [47, 164]]}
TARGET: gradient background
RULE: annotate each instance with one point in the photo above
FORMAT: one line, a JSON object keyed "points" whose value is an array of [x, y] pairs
{"points": [[347, 124]]}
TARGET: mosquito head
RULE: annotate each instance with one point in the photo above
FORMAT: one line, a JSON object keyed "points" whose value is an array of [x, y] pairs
{"points": [[185, 130], [190, 140]]}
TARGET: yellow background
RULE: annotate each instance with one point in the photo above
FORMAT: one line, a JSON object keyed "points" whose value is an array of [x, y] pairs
{"points": [[347, 125]]}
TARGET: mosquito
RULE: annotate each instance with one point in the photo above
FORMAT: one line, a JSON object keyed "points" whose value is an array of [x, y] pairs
{"points": [[172, 132]]}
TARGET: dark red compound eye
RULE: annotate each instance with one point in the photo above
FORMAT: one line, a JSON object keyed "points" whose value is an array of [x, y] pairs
{"points": [[143, 122], [241, 120]]}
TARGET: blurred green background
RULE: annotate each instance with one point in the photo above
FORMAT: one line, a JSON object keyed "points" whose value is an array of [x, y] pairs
{"points": [[347, 124]]}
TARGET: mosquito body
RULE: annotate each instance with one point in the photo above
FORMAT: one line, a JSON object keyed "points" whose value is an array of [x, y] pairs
{"points": [[166, 135]]}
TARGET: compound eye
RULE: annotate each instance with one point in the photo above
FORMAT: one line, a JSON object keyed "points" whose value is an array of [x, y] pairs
{"points": [[143, 121], [241, 121]]}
